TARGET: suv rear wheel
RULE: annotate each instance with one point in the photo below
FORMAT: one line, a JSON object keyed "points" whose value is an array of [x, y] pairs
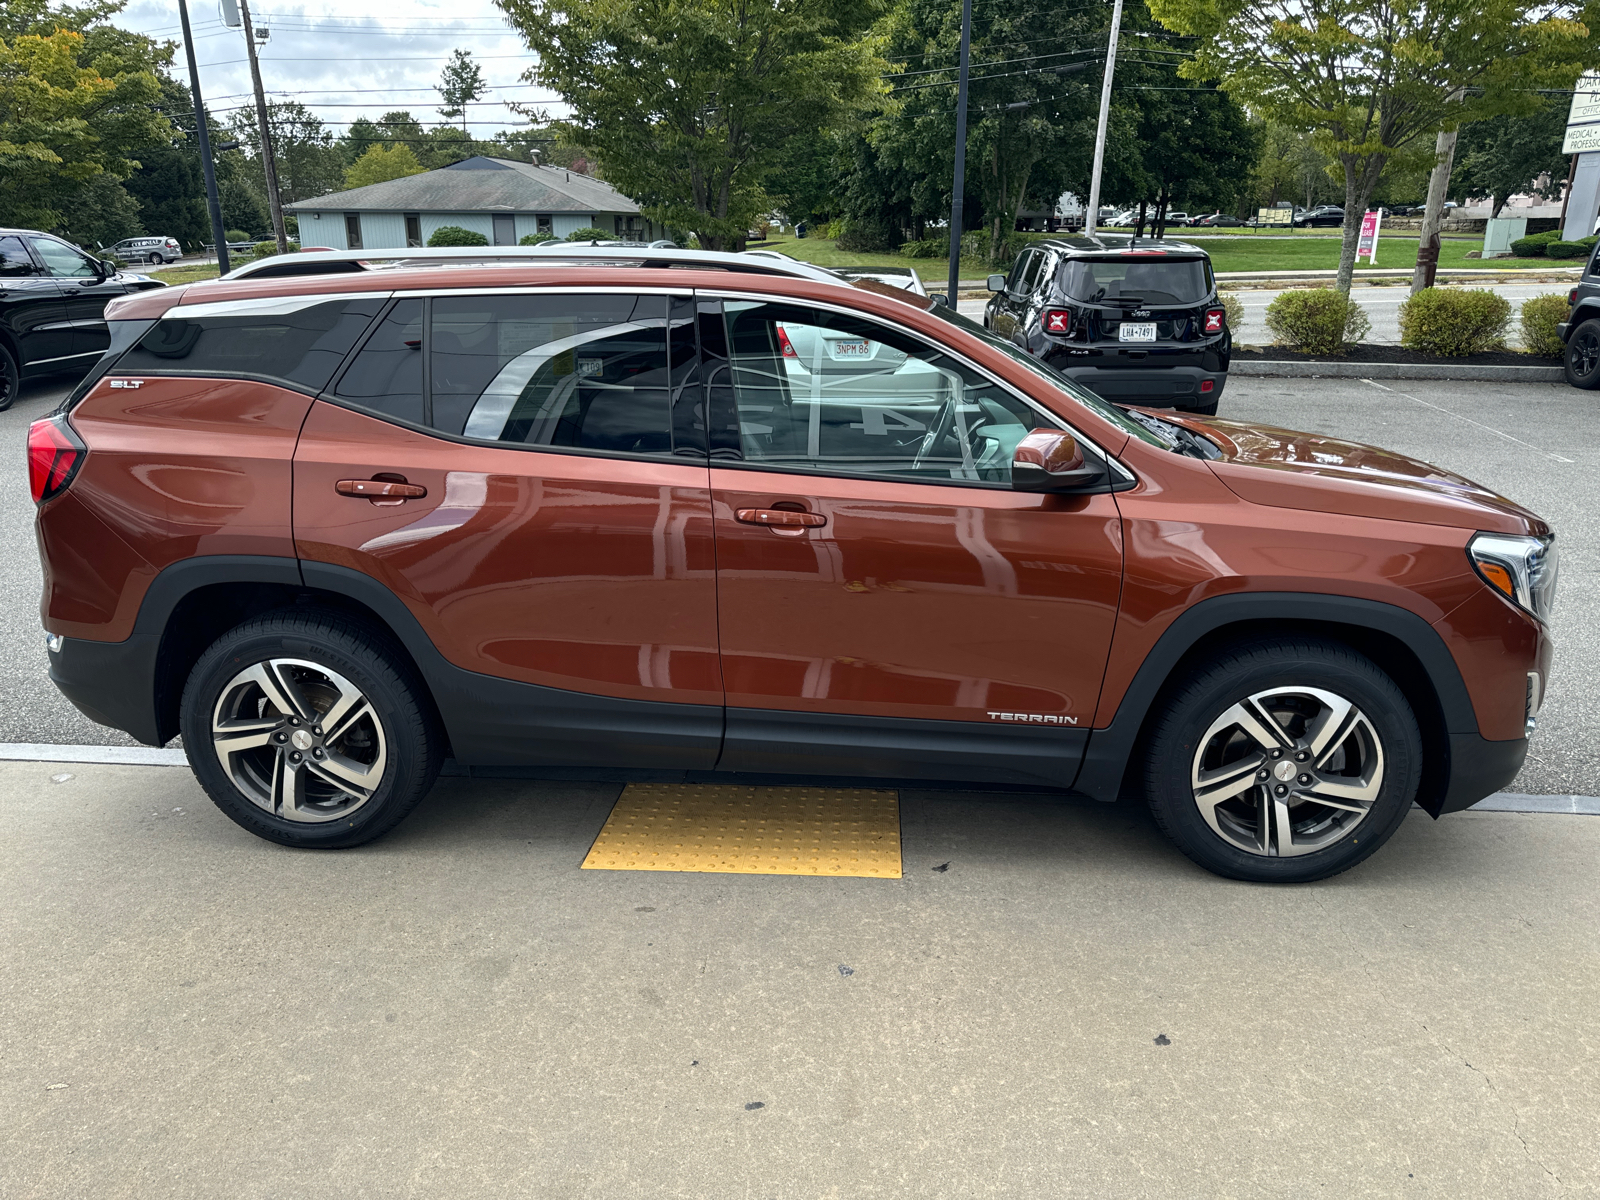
{"points": [[10, 379], [1284, 762], [1582, 358], [307, 730]]}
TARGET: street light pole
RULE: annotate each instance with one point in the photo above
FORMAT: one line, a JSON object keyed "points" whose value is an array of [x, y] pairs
{"points": [[1092, 217], [959, 185], [204, 136], [274, 201]]}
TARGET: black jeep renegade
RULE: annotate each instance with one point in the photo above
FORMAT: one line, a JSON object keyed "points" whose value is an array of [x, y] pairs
{"points": [[1135, 320]]}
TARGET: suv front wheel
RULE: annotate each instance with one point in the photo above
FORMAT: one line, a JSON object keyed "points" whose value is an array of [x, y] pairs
{"points": [[306, 729], [1582, 358], [1284, 761]]}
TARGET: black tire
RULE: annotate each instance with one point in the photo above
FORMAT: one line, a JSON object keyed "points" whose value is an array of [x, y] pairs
{"points": [[1208, 409], [1179, 753], [10, 379], [1581, 359], [395, 740], [156, 260]]}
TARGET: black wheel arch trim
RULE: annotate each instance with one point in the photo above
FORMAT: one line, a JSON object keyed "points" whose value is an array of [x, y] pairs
{"points": [[1587, 309], [1111, 750]]}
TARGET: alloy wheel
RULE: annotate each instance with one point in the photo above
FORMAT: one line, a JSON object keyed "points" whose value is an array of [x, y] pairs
{"points": [[1585, 352], [1288, 771], [298, 740]]}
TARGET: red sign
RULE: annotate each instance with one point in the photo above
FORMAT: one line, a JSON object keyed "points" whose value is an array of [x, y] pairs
{"points": [[1368, 244]]}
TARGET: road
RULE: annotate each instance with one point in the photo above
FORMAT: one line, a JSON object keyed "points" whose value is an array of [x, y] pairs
{"points": [[1382, 305], [1051, 1003], [1536, 443]]}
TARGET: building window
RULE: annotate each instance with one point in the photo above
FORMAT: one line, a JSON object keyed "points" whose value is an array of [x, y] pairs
{"points": [[544, 221], [352, 230], [413, 229], [505, 229]]}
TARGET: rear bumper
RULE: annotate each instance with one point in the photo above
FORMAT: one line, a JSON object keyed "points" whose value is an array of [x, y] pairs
{"points": [[1158, 387], [111, 683]]}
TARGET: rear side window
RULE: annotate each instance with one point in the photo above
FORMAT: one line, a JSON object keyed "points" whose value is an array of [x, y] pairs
{"points": [[298, 340], [1145, 280], [15, 260], [608, 373]]}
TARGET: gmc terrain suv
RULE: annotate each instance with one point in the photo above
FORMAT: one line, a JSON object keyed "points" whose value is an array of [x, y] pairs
{"points": [[705, 515], [1136, 321]]}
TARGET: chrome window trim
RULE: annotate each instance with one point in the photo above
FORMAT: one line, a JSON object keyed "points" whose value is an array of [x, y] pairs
{"points": [[265, 306], [1084, 440]]}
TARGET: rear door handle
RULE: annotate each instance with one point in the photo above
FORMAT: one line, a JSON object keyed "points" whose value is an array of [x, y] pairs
{"points": [[781, 520], [381, 491]]}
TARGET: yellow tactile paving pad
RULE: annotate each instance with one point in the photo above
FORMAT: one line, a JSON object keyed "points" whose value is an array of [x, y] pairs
{"points": [[751, 831]]}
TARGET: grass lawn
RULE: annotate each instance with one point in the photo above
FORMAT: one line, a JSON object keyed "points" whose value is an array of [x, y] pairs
{"points": [[1270, 251], [178, 275]]}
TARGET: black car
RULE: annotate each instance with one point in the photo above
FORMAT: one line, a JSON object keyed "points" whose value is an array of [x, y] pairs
{"points": [[1217, 220], [1581, 330], [1327, 214], [52, 306], [1135, 320]]}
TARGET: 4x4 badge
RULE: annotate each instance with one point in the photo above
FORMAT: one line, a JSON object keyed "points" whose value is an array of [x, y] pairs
{"points": [[127, 383]]}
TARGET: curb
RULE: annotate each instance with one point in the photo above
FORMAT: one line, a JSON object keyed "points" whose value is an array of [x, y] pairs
{"points": [[1500, 275], [1350, 370]]}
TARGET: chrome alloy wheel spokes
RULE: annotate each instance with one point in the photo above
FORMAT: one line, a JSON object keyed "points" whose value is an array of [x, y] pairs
{"points": [[298, 740], [1288, 771]]}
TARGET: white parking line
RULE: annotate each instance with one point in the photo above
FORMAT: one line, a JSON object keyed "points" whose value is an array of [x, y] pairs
{"points": [[1486, 428], [144, 756]]}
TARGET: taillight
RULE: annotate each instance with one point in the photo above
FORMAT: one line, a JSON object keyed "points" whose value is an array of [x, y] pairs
{"points": [[783, 344], [1572, 296], [1214, 317], [55, 453], [1058, 321]]}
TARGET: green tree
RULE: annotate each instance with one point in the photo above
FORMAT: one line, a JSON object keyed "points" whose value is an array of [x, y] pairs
{"points": [[1507, 155], [1376, 81], [99, 213], [381, 164], [688, 103], [460, 84], [74, 100], [309, 163]]}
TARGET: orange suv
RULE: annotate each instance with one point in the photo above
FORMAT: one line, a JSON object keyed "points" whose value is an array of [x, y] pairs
{"points": [[712, 513]]}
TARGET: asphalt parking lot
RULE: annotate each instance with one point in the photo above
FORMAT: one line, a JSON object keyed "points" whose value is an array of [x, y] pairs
{"points": [[1536, 443]]}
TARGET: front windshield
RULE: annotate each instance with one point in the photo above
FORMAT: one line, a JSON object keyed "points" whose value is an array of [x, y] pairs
{"points": [[1140, 280], [1089, 400]]}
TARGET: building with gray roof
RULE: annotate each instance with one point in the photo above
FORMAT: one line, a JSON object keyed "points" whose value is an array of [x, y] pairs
{"points": [[500, 198]]}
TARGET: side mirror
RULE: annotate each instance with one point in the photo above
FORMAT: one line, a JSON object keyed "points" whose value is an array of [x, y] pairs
{"points": [[939, 298], [1049, 460], [997, 283]]}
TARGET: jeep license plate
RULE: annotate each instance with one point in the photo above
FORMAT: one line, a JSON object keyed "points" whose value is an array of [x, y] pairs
{"points": [[1137, 331]]}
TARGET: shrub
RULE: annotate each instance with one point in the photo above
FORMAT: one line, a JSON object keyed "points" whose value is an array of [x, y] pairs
{"points": [[536, 239], [933, 247], [1540, 316], [1566, 250], [1317, 320], [1454, 321], [1235, 310], [454, 235], [268, 249], [1533, 246], [235, 235], [591, 234], [834, 229], [870, 233]]}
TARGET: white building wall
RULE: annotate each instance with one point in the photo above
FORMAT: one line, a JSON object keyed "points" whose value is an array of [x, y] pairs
{"points": [[382, 231], [322, 229], [527, 225], [566, 223]]}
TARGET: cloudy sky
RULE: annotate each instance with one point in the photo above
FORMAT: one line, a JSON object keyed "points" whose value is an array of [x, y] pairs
{"points": [[343, 64]]}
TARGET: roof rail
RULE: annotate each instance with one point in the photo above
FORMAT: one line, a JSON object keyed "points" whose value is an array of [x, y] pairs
{"points": [[329, 262]]}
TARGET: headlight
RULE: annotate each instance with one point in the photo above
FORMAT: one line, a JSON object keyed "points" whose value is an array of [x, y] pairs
{"points": [[1522, 569]]}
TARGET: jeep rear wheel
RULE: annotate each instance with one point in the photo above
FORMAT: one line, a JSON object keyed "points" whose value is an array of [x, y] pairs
{"points": [[1284, 761], [1581, 362], [306, 729]]}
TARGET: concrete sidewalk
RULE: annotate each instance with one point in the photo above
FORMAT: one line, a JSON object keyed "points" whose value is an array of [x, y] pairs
{"points": [[1051, 1003]]}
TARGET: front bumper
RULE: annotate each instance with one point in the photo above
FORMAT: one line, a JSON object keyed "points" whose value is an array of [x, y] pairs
{"points": [[1478, 768]]}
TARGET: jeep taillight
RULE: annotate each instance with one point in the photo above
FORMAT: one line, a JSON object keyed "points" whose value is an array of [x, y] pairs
{"points": [[1572, 296], [1214, 317], [1058, 321], [55, 453]]}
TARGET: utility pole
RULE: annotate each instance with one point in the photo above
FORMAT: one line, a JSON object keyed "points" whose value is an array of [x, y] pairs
{"points": [[274, 202], [204, 137], [958, 188], [1092, 217], [1444, 150]]}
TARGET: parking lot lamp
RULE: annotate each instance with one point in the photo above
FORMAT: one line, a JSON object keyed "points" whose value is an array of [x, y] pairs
{"points": [[958, 186]]}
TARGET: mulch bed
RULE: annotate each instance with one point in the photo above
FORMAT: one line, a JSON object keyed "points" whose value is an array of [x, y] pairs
{"points": [[1365, 353]]}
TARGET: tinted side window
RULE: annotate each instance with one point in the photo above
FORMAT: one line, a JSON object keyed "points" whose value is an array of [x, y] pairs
{"points": [[386, 375], [828, 392], [297, 340], [589, 372], [62, 260], [14, 259]]}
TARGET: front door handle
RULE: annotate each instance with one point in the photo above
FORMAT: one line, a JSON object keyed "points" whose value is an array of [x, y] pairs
{"points": [[384, 492], [781, 520]]}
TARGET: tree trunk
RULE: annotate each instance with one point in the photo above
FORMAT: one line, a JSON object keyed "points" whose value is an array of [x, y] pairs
{"points": [[1359, 182], [1433, 214], [1138, 231]]}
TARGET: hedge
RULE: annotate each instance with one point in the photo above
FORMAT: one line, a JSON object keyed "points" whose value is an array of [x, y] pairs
{"points": [[1317, 320], [591, 234], [536, 239], [454, 235], [1454, 321], [1540, 316]]}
